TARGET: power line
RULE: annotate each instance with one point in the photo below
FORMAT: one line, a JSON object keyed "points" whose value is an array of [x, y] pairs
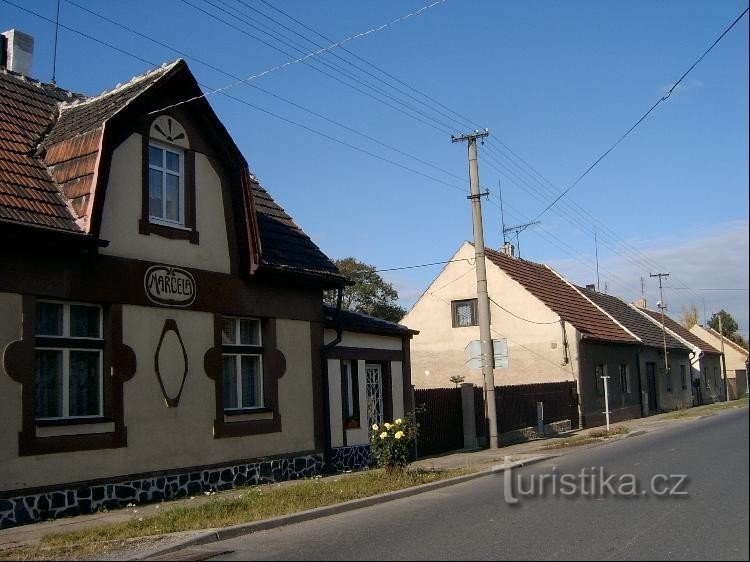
{"points": [[662, 99], [312, 54]]}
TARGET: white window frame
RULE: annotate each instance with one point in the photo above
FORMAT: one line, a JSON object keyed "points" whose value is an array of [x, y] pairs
{"points": [[66, 358], [164, 171], [226, 352], [350, 409]]}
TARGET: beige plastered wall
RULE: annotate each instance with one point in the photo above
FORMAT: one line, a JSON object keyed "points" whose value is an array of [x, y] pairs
{"points": [[360, 435], [122, 211], [535, 349], [161, 438], [734, 358]]}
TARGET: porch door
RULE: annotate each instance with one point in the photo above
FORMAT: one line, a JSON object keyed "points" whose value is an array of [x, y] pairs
{"points": [[653, 407], [374, 385]]}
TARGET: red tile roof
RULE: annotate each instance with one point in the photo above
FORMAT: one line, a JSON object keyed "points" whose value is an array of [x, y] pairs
{"points": [[49, 145], [681, 331], [562, 298], [27, 192]]}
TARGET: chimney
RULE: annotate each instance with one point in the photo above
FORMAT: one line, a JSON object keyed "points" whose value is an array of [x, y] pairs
{"points": [[508, 249], [640, 303], [591, 287], [16, 51]]}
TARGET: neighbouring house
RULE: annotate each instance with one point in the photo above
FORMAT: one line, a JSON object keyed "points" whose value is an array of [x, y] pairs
{"points": [[735, 359], [545, 330], [162, 328], [705, 360], [660, 388], [369, 381]]}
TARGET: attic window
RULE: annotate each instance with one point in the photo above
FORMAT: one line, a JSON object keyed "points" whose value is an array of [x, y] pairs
{"points": [[166, 185], [168, 198]]}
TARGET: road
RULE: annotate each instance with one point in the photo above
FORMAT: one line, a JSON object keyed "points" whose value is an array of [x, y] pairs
{"points": [[473, 521]]}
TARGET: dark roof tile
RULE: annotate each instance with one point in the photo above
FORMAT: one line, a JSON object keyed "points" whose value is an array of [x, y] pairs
{"points": [[682, 332]]}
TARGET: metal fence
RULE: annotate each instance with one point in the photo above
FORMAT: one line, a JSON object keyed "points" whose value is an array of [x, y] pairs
{"points": [[440, 420], [516, 405]]}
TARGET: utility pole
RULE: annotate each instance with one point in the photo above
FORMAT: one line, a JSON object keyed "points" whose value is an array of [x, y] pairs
{"points": [[483, 300], [662, 306], [596, 248], [723, 360]]}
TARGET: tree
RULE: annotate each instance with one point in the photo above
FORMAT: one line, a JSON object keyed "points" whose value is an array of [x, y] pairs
{"points": [[370, 294], [728, 324], [689, 316], [457, 379]]}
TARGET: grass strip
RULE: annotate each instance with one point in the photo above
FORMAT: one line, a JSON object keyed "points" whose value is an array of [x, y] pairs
{"points": [[593, 436], [242, 505]]}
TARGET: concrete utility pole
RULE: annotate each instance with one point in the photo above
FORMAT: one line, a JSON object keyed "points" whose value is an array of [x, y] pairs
{"points": [[723, 360], [662, 306], [483, 300]]}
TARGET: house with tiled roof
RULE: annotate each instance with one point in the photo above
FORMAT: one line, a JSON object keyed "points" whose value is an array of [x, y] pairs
{"points": [[735, 358], [664, 384], [162, 330], [543, 327], [705, 359]]}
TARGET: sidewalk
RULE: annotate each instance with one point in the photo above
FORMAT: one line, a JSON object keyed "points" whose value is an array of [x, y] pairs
{"points": [[477, 461]]}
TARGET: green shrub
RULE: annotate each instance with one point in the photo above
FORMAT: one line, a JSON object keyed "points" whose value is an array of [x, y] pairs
{"points": [[392, 444]]}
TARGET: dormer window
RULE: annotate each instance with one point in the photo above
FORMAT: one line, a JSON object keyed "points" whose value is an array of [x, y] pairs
{"points": [[166, 185], [169, 198]]}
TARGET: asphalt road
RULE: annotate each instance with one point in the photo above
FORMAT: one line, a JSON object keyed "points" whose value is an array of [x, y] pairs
{"points": [[473, 520]]}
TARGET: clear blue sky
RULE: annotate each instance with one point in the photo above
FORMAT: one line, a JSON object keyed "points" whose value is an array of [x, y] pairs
{"points": [[556, 82]]}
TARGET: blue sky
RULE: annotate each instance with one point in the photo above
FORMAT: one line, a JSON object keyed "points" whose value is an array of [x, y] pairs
{"points": [[555, 82]]}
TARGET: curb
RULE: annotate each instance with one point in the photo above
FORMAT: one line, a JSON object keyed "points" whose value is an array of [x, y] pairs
{"points": [[216, 535]]}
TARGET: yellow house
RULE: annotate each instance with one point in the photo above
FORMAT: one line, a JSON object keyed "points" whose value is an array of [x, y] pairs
{"points": [[735, 359]]}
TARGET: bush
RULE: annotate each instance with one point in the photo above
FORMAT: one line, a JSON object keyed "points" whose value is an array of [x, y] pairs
{"points": [[392, 444]]}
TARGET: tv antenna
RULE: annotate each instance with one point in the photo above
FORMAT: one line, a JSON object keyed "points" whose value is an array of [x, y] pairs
{"points": [[516, 230]]}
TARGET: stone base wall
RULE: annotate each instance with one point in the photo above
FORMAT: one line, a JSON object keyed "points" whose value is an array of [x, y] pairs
{"points": [[353, 457], [529, 433], [64, 500]]}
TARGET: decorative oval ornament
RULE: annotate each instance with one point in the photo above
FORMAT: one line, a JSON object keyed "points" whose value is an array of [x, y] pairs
{"points": [[169, 286], [162, 364]]}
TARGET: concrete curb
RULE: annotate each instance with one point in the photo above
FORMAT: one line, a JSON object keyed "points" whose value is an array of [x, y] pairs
{"points": [[216, 535]]}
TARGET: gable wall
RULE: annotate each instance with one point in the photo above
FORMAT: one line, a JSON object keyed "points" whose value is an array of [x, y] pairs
{"points": [[535, 350]]}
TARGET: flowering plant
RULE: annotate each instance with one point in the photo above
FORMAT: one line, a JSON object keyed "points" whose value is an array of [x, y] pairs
{"points": [[392, 444]]}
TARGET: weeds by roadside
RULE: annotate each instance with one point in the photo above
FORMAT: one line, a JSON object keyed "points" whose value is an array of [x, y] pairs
{"points": [[593, 436]]}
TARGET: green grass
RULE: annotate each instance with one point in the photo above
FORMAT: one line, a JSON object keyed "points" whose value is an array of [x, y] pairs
{"points": [[593, 436], [239, 506], [698, 411]]}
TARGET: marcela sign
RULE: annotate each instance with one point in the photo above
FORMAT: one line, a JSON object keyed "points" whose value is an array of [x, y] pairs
{"points": [[169, 286]]}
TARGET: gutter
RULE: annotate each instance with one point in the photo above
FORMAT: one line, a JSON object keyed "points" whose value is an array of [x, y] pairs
{"points": [[326, 387]]}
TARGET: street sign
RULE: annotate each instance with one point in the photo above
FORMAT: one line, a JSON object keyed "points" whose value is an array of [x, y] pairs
{"points": [[474, 354]]}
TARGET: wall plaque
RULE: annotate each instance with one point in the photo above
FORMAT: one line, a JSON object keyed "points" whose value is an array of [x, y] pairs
{"points": [[169, 286]]}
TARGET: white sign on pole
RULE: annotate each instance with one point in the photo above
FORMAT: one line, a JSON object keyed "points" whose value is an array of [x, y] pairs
{"points": [[474, 354]]}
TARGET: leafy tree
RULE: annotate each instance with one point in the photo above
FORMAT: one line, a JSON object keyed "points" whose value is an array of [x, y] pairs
{"points": [[728, 324], [370, 294], [689, 316]]}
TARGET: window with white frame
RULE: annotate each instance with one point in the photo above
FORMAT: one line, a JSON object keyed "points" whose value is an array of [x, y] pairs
{"points": [[625, 379], [166, 184], [242, 363], [68, 360]]}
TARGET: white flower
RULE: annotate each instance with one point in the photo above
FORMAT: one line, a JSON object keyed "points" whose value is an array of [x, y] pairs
{"points": [[384, 435], [399, 434], [399, 421], [387, 426], [375, 427]]}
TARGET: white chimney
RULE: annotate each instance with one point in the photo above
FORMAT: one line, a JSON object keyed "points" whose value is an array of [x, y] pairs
{"points": [[17, 51], [508, 249], [640, 303]]}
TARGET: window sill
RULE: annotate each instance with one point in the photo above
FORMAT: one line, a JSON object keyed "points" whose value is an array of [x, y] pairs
{"points": [[244, 411], [248, 415], [75, 429], [56, 422], [173, 232]]}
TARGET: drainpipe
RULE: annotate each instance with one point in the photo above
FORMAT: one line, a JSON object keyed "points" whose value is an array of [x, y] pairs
{"points": [[324, 359], [644, 412], [566, 357]]}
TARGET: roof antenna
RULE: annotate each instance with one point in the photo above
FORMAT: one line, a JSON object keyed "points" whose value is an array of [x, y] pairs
{"points": [[502, 214], [54, 52]]}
